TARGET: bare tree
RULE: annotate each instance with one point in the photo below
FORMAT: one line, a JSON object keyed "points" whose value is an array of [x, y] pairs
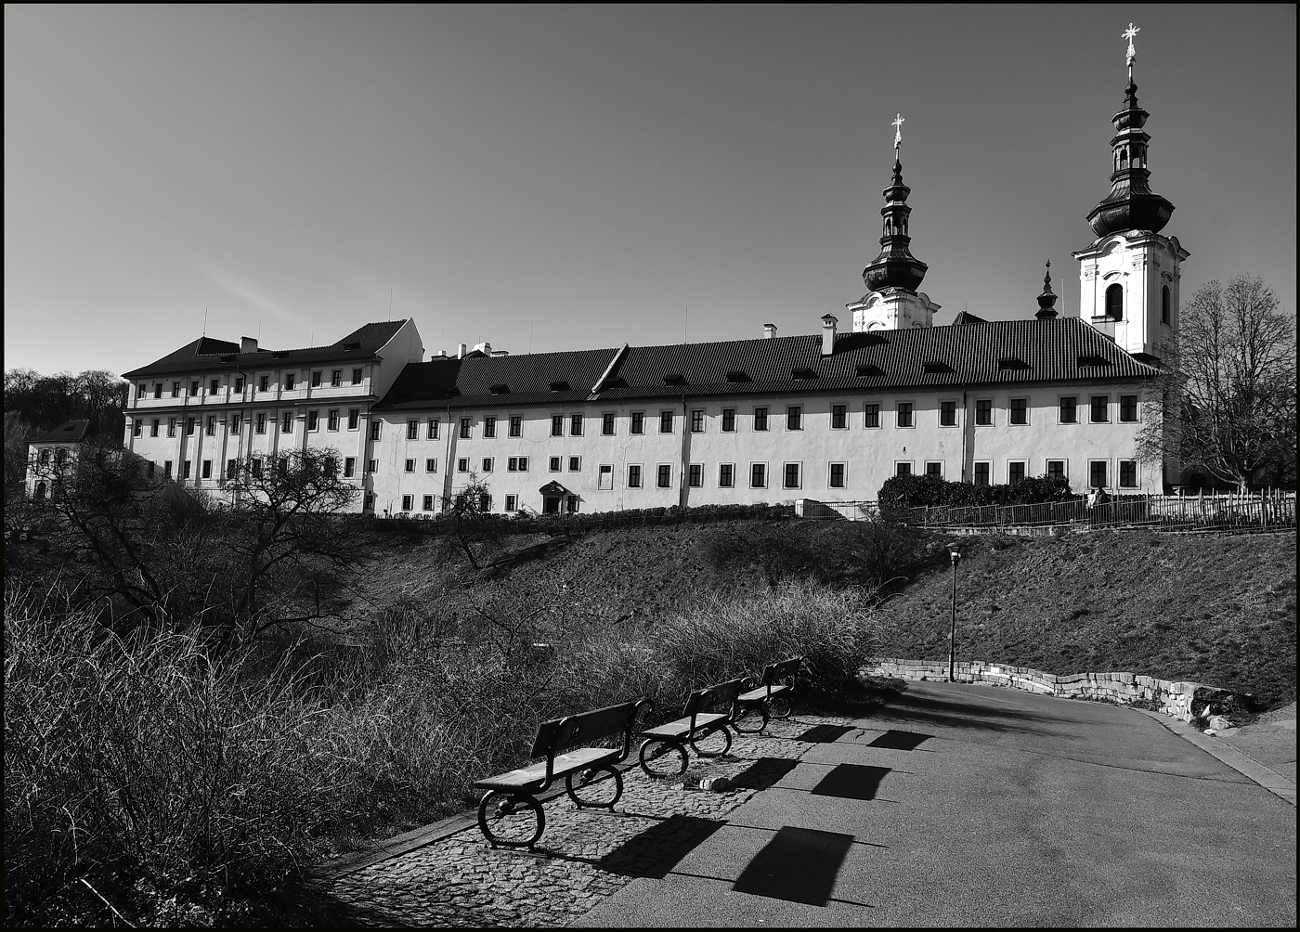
{"points": [[1225, 405]]}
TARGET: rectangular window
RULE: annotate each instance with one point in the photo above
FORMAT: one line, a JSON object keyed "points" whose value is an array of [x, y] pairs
{"points": [[1016, 471], [726, 475], [1128, 411], [934, 469], [605, 479], [261, 423], [206, 470], [210, 428], [521, 463], [194, 386], [375, 429], [839, 417], [697, 420], [904, 413], [286, 422], [150, 469], [413, 429], [984, 412], [1096, 474], [758, 475], [315, 378], [186, 465], [289, 379], [728, 420], [190, 424], [1128, 474], [349, 467], [903, 468], [1056, 469], [167, 468], [947, 414], [557, 425], [871, 415], [409, 465], [462, 464], [760, 419], [372, 465], [488, 464], [465, 425], [1069, 408], [354, 418], [982, 471], [313, 420], [214, 386], [607, 424], [792, 475], [665, 422], [239, 385], [489, 427], [407, 502], [634, 476], [141, 389], [157, 389], [665, 476], [264, 383], [428, 503], [637, 425], [794, 417], [336, 377], [137, 428], [356, 376], [236, 422], [512, 503], [516, 426], [695, 475], [153, 427], [1098, 406], [836, 479], [555, 463], [575, 425], [431, 464], [332, 421], [575, 464], [431, 428], [232, 467], [171, 427], [256, 467], [1019, 410]]}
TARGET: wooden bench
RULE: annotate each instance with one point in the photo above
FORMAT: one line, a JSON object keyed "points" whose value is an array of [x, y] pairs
{"points": [[663, 753], [768, 697], [511, 814]]}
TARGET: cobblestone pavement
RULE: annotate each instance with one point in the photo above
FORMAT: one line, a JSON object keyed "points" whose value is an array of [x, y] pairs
{"points": [[584, 855]]}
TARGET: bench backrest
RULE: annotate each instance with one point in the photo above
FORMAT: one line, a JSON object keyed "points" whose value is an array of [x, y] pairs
{"points": [[555, 736], [775, 673], [721, 694]]}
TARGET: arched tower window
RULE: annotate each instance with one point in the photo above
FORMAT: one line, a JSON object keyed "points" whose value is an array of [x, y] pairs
{"points": [[1123, 158], [1115, 302], [1164, 304]]}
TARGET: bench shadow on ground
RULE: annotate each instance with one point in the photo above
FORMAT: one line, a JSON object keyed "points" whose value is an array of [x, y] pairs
{"points": [[910, 708], [799, 865]]}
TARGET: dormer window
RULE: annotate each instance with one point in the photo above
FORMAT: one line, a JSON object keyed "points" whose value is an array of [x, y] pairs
{"points": [[1011, 364], [559, 385], [938, 368], [870, 371], [736, 375], [675, 378], [499, 389], [803, 373], [1085, 361]]}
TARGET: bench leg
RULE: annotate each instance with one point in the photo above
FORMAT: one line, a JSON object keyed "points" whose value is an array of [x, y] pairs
{"points": [[590, 790], [663, 759], [515, 820], [750, 718], [713, 751], [780, 707]]}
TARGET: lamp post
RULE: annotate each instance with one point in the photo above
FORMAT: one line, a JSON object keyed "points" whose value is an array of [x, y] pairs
{"points": [[954, 551]]}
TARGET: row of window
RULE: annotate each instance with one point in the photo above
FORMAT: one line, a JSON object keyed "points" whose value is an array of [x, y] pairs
{"points": [[333, 421], [1018, 410], [1113, 307], [262, 384]]}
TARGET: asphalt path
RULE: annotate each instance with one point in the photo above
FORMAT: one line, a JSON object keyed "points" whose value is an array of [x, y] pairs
{"points": [[973, 805]]}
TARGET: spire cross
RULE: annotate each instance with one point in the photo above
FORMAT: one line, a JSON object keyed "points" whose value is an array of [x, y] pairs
{"points": [[898, 130], [1129, 33]]}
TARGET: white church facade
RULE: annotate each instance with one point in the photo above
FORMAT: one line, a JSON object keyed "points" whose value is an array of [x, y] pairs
{"points": [[827, 416]]}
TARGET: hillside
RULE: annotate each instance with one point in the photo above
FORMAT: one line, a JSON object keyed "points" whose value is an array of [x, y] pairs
{"points": [[1218, 610]]}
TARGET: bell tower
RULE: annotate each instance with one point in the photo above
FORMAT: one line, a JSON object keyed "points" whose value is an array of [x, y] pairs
{"points": [[1128, 276], [892, 301]]}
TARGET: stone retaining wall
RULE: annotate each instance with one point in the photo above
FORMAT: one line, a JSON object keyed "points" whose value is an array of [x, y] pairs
{"points": [[1185, 701]]}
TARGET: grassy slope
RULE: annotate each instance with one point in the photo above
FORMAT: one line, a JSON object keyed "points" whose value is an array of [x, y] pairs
{"points": [[1217, 610]]}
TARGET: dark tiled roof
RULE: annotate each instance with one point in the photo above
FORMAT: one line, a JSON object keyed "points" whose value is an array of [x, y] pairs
{"points": [[525, 379], [997, 352], [68, 432], [211, 355]]}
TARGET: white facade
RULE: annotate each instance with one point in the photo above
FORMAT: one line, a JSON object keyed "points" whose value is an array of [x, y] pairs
{"points": [[1145, 269]]}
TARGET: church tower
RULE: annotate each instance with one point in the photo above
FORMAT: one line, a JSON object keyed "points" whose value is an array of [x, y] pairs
{"points": [[1128, 276], [892, 301]]}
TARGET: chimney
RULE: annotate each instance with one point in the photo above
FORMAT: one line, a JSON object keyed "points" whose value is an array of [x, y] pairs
{"points": [[460, 351], [441, 354], [485, 348], [769, 331], [248, 344], [828, 333]]}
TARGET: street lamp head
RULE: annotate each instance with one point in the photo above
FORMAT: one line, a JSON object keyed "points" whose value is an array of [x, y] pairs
{"points": [[954, 551]]}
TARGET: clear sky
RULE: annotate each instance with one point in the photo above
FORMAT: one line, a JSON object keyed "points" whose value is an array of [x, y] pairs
{"points": [[550, 178]]}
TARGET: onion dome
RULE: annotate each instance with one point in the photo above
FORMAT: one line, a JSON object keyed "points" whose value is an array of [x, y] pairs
{"points": [[895, 267]]}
